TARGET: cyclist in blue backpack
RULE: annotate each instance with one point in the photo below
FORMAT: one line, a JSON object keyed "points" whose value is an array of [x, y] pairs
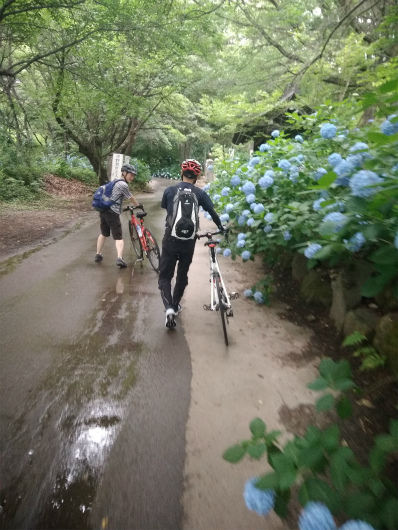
{"points": [[182, 204], [110, 218]]}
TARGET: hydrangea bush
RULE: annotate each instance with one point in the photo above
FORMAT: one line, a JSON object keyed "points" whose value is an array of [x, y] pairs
{"points": [[324, 472], [329, 193]]}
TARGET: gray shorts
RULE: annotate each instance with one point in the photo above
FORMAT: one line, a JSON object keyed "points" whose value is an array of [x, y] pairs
{"points": [[110, 222]]}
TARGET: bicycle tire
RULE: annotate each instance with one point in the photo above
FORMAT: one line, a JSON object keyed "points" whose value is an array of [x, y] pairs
{"points": [[221, 308], [135, 240], [153, 253]]}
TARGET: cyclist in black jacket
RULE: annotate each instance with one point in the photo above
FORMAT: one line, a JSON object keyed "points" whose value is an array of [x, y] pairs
{"points": [[174, 249]]}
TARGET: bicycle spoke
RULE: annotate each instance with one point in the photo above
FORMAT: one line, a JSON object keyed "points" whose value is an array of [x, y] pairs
{"points": [[221, 307], [135, 240]]}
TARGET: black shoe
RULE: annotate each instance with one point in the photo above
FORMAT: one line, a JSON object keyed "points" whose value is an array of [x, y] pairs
{"points": [[170, 318], [121, 263], [98, 258]]}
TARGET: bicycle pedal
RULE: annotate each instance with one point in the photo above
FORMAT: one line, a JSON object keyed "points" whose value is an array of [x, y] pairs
{"points": [[207, 307], [230, 313], [234, 295]]}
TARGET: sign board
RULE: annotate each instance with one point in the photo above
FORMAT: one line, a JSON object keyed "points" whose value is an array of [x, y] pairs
{"points": [[117, 162]]}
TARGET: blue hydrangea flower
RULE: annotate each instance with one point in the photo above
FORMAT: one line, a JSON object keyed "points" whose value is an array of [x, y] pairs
{"points": [[275, 133], [319, 173], [255, 160], [389, 128], [299, 138], [269, 173], [355, 243], [246, 213], [317, 205], [294, 176], [359, 146], [334, 159], [258, 208], [224, 218], [206, 187], [396, 240], [227, 253], [264, 147], [229, 207], [337, 218], [354, 160], [235, 181], [344, 169], [311, 250], [259, 297], [356, 525], [267, 229], [241, 220], [316, 516], [337, 206], [266, 181], [362, 179], [246, 254], [248, 187], [241, 243], [284, 164], [269, 217], [259, 501], [287, 235], [248, 293], [328, 131], [250, 198], [225, 192], [250, 221], [216, 197], [218, 250], [241, 235], [300, 158]]}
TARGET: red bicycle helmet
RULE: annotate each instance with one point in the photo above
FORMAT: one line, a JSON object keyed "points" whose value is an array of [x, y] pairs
{"points": [[191, 165]]}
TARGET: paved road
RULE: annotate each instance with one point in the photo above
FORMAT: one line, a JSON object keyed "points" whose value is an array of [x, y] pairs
{"points": [[94, 391]]}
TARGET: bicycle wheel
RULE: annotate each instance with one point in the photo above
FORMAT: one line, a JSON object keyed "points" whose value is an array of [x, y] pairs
{"points": [[153, 253], [135, 240], [221, 307]]}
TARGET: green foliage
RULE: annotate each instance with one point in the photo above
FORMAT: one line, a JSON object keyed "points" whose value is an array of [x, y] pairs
{"points": [[320, 467], [299, 197]]}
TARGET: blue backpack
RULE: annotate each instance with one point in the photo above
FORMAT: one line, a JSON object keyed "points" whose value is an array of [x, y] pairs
{"points": [[102, 196]]}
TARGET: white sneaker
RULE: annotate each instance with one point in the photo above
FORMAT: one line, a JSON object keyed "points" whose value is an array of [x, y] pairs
{"points": [[170, 318], [177, 309]]}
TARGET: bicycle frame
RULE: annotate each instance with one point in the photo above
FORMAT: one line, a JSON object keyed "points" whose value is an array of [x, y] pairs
{"points": [[139, 225]]}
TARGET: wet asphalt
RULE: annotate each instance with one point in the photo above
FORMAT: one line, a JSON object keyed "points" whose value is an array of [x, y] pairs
{"points": [[94, 391]]}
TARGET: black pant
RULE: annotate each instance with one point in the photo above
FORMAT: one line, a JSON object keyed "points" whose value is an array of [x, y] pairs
{"points": [[174, 250]]}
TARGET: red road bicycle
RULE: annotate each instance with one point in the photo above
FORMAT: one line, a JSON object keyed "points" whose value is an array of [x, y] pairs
{"points": [[142, 238]]}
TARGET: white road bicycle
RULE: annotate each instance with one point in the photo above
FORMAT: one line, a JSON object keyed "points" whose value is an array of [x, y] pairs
{"points": [[220, 300]]}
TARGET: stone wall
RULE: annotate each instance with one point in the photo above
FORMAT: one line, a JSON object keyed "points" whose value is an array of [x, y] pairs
{"points": [[339, 291]]}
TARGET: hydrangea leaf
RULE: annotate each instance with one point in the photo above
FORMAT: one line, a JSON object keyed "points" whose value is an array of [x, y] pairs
{"points": [[358, 505], [270, 481], [385, 255], [331, 437], [317, 490], [374, 286], [344, 408], [234, 454], [281, 506], [338, 473], [386, 443], [389, 513], [380, 139], [325, 403], [257, 451], [356, 205], [318, 384], [258, 427]]}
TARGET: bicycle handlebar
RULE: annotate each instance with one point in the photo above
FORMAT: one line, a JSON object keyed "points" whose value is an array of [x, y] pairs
{"points": [[132, 208], [209, 233]]}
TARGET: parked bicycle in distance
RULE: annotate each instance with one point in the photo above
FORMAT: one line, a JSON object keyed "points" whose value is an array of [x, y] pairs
{"points": [[142, 238], [220, 300]]}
